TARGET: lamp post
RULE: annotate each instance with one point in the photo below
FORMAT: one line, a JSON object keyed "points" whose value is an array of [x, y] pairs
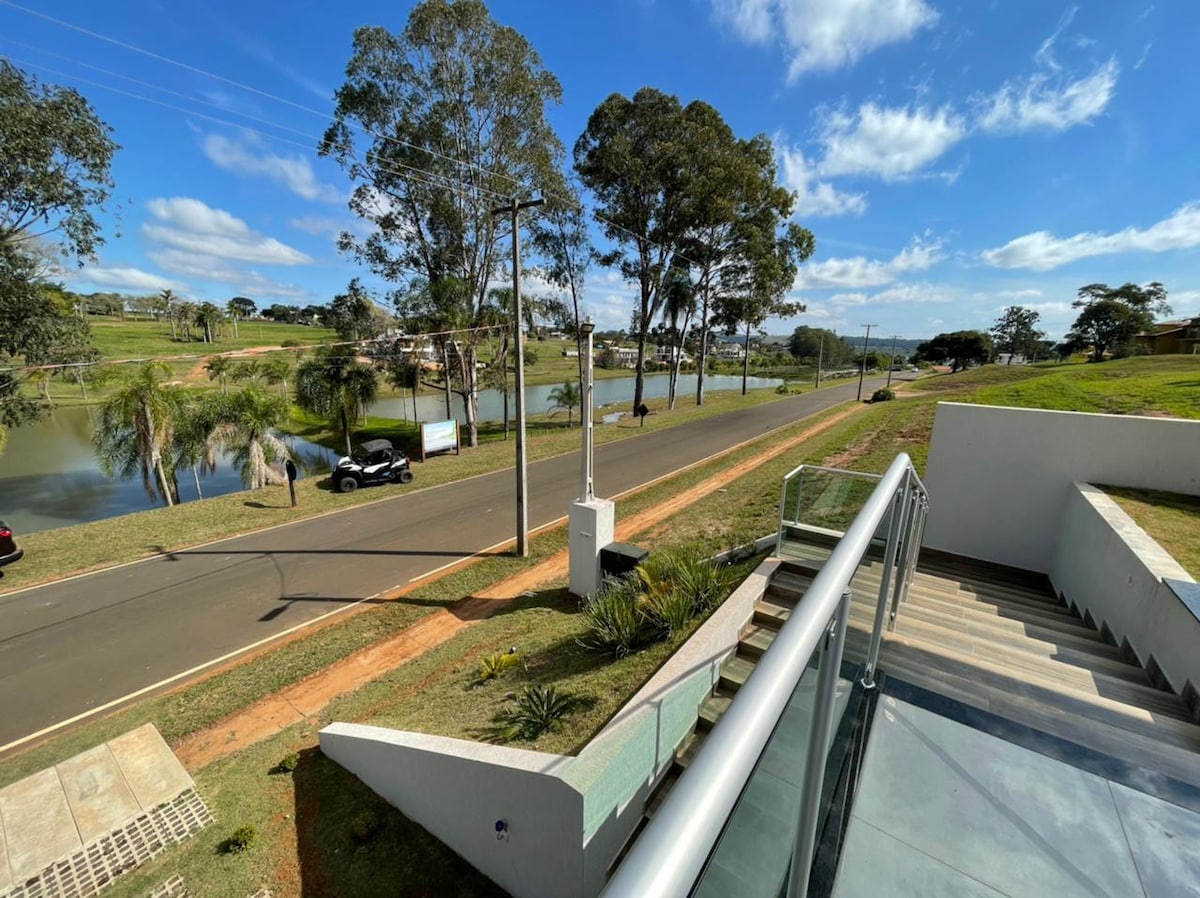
{"points": [[586, 491]]}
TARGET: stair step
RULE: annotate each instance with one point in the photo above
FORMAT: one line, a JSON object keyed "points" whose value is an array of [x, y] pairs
{"points": [[689, 748], [734, 672], [755, 640], [1076, 657], [1144, 751], [1079, 634], [1052, 675], [1018, 685], [660, 793], [770, 612], [711, 710]]}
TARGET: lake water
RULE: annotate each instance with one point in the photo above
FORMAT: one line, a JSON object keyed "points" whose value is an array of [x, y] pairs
{"points": [[49, 477]]}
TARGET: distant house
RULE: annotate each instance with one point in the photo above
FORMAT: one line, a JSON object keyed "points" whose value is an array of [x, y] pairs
{"points": [[663, 354], [731, 351], [626, 356], [1004, 358], [1171, 337]]}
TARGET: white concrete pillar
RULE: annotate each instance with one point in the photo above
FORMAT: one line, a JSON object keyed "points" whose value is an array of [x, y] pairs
{"points": [[591, 528]]}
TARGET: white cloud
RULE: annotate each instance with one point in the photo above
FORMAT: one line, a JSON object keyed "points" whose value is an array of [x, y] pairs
{"points": [[192, 226], [824, 35], [317, 226], [892, 144], [209, 268], [1185, 302], [295, 172], [1041, 250], [814, 199], [1045, 53], [858, 271], [900, 293], [1046, 103], [126, 279]]}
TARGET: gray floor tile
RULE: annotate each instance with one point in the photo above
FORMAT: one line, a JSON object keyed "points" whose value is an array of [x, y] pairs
{"points": [[1165, 840], [875, 864], [1023, 823]]}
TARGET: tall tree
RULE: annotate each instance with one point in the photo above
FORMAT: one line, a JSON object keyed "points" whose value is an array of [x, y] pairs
{"points": [[1015, 331], [207, 316], [352, 314], [960, 348], [812, 344], [1112, 316], [454, 107], [338, 389], [135, 428], [560, 236], [679, 305], [55, 157], [634, 157]]}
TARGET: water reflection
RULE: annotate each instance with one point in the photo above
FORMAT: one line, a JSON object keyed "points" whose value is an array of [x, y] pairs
{"points": [[49, 476]]}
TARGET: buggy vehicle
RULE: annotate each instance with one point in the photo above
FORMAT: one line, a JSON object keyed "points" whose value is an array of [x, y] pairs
{"points": [[375, 461]]}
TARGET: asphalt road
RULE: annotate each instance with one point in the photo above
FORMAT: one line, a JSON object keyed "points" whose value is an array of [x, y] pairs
{"points": [[71, 647]]}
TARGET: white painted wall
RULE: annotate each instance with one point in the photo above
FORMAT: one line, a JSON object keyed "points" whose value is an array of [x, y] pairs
{"points": [[998, 478], [567, 817], [1108, 565]]}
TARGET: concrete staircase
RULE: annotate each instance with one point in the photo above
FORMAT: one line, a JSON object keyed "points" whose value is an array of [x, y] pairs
{"points": [[993, 638]]}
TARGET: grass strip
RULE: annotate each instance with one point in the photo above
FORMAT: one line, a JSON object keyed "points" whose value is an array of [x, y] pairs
{"points": [[1171, 519]]}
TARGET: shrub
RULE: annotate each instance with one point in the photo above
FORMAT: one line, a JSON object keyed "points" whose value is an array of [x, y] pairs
{"points": [[536, 710], [492, 666], [289, 763], [883, 394], [679, 586], [290, 342], [365, 826], [243, 838], [616, 618]]}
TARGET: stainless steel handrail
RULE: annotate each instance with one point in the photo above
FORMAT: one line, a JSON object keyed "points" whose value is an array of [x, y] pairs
{"points": [[671, 852]]}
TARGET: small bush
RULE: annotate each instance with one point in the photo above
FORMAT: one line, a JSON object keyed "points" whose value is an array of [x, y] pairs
{"points": [[537, 709], [288, 763], [365, 826], [883, 394], [492, 666], [243, 839], [291, 343], [616, 618]]}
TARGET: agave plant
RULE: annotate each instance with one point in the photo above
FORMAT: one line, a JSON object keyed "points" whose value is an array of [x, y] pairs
{"points": [[492, 666], [536, 710], [616, 618]]}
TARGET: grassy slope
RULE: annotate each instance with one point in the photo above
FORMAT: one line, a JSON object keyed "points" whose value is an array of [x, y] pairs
{"points": [[118, 339]]}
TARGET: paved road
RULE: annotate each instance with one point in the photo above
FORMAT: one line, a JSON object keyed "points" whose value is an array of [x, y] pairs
{"points": [[70, 647]]}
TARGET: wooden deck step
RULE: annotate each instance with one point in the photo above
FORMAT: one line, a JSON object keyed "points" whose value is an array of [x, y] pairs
{"points": [[953, 615], [755, 640], [712, 708], [689, 748], [1048, 717], [1071, 626], [1087, 704], [735, 671]]}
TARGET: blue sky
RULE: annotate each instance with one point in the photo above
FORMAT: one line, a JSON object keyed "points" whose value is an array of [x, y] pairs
{"points": [[951, 159]]}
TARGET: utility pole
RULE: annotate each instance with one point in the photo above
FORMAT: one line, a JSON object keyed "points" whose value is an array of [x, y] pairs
{"points": [[514, 209], [862, 368], [820, 360], [892, 361]]}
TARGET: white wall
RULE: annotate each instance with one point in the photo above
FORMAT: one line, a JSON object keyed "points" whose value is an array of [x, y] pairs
{"points": [[568, 817], [998, 478], [1107, 565]]}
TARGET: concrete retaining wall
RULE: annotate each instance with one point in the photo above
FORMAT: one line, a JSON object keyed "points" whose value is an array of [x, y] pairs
{"points": [[1129, 586], [998, 478], [566, 817]]}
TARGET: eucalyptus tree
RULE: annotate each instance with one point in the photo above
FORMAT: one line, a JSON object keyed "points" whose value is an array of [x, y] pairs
{"points": [[560, 236], [679, 305], [336, 388], [1111, 317], [438, 125], [135, 428]]}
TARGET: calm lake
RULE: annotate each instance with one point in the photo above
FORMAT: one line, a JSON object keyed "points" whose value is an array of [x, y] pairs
{"points": [[49, 477]]}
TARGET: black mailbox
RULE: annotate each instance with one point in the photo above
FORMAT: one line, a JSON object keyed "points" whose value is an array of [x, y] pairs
{"points": [[618, 559]]}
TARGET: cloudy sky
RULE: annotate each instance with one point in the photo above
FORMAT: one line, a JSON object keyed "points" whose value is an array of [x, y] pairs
{"points": [[951, 159]]}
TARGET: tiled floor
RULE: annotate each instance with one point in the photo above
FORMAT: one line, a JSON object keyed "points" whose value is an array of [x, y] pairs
{"points": [[944, 809]]}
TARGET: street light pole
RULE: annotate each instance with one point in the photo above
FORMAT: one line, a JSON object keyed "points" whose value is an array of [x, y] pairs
{"points": [[586, 487], [862, 368], [514, 210], [820, 360], [892, 361]]}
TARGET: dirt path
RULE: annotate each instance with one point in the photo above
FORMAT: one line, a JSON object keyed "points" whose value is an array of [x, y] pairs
{"points": [[198, 372], [304, 700]]}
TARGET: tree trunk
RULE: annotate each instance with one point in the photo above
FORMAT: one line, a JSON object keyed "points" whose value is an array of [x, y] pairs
{"points": [[702, 358], [446, 377], [471, 383], [196, 474], [346, 429]]}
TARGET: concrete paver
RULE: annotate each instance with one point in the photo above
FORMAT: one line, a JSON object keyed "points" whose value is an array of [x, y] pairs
{"points": [[97, 792], [38, 826], [150, 767]]}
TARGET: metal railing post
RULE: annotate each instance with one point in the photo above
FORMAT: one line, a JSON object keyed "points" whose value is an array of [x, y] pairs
{"points": [[885, 582], [782, 513], [922, 515], [828, 674], [904, 567]]}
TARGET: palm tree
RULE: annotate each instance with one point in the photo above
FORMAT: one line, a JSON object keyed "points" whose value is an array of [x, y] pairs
{"points": [[568, 396], [185, 312], [219, 366], [277, 371], [164, 307], [135, 426], [248, 371], [336, 388], [247, 423], [192, 443], [208, 316]]}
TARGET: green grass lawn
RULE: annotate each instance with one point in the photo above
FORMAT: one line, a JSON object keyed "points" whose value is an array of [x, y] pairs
{"points": [[1171, 519], [131, 339]]}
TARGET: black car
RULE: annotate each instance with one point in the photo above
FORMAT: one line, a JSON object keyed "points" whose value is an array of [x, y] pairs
{"points": [[9, 550], [375, 461]]}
